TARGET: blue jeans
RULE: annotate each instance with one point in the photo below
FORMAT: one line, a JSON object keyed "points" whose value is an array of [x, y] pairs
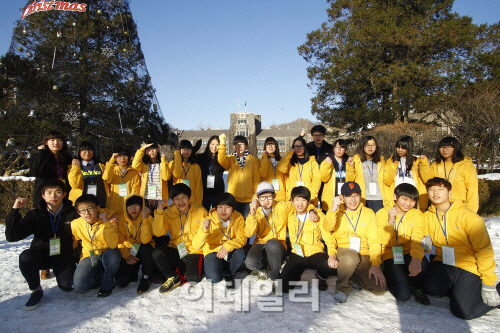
{"points": [[87, 276], [215, 267], [243, 208]]}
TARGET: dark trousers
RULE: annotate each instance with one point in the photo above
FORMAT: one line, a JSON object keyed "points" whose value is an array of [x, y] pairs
{"points": [[128, 273], [168, 261], [296, 265], [398, 282], [31, 261], [463, 287], [260, 255], [216, 269], [375, 205], [243, 208], [208, 203]]}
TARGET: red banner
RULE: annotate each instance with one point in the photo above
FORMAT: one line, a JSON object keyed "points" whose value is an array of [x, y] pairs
{"points": [[43, 6]]}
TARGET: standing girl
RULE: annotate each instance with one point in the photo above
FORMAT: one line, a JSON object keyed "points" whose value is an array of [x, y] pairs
{"points": [[451, 165], [402, 167], [187, 172], [268, 168], [333, 173], [85, 175], [367, 169], [300, 170]]}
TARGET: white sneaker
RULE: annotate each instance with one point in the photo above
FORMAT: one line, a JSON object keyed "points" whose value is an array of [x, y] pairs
{"points": [[340, 296]]}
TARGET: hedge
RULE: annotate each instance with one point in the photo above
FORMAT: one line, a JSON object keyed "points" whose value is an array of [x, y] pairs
{"points": [[489, 196]]}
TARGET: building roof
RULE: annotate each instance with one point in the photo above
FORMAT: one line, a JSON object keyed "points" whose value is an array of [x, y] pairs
{"points": [[203, 133], [278, 133]]}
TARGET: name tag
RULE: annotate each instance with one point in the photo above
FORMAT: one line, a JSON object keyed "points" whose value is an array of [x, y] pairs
{"points": [[187, 182], [339, 187], [183, 250], [448, 255], [355, 243], [122, 190], [299, 184], [276, 184], [151, 191], [55, 246], [93, 258], [398, 255], [298, 249], [135, 249], [210, 181], [92, 189], [372, 188]]}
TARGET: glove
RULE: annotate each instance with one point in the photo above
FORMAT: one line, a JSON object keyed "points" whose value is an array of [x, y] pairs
{"points": [[222, 139], [426, 243], [490, 295]]}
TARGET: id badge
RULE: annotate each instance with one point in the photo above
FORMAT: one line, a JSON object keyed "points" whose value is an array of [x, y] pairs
{"points": [[298, 249], [299, 184], [398, 255], [372, 188], [55, 246], [93, 258], [151, 191], [135, 249], [187, 182], [210, 181], [182, 249], [122, 190], [226, 258], [355, 244], [92, 189], [276, 184], [339, 187], [448, 255]]}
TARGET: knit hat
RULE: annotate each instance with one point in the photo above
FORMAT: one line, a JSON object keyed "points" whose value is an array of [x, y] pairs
{"points": [[265, 187], [349, 188]]}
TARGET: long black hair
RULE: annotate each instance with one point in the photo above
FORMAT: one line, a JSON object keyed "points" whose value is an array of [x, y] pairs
{"points": [[361, 149], [457, 149], [146, 159], [207, 148], [295, 159], [343, 144], [405, 142], [186, 144], [271, 140], [62, 155]]}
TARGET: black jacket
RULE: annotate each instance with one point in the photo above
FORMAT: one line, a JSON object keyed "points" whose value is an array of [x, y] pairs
{"points": [[37, 222], [217, 170], [325, 150]]}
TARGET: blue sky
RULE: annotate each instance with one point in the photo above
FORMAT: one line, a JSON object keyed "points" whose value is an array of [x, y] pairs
{"points": [[205, 55]]}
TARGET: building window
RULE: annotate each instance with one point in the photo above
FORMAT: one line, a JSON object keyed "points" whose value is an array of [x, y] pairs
{"points": [[282, 150], [281, 142], [204, 142], [259, 151], [242, 114], [260, 143], [242, 121], [242, 132]]}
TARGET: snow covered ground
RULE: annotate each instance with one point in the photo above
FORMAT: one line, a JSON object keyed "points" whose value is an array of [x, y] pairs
{"points": [[203, 309]]}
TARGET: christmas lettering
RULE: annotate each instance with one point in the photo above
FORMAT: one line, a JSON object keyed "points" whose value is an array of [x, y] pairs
{"points": [[43, 5]]}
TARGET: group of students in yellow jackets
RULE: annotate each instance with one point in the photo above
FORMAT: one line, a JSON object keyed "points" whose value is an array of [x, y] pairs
{"points": [[361, 219]]}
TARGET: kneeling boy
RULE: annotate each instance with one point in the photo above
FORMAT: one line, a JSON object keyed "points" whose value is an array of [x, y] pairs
{"points": [[100, 255], [464, 266], [52, 244]]}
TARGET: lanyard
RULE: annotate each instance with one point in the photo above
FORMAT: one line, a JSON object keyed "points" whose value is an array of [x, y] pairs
{"points": [[449, 174], [91, 175], [186, 172], [352, 225], [401, 173], [228, 236], [341, 169], [318, 150], [59, 170], [93, 236], [274, 164], [396, 227], [301, 170], [267, 219], [136, 233], [210, 167], [370, 170], [58, 218], [123, 175], [299, 229], [182, 225], [151, 172], [444, 218]]}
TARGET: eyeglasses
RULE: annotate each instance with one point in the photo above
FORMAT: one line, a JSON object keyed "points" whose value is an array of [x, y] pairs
{"points": [[298, 147], [270, 144], [266, 198], [317, 135], [446, 148], [371, 146], [86, 151], [89, 210]]}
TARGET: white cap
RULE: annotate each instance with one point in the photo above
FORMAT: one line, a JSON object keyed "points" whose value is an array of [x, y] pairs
{"points": [[265, 187]]}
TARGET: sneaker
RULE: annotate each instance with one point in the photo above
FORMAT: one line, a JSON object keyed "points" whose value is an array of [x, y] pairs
{"points": [[104, 292], [45, 274], [322, 285], [144, 285], [263, 275], [420, 296], [354, 285], [34, 300], [170, 284], [340, 296], [230, 284], [277, 290]]}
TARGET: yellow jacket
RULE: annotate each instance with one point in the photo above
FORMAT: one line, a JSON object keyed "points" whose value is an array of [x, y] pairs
{"points": [[139, 231], [181, 230], [268, 173], [310, 175], [274, 229], [311, 234], [410, 232], [104, 236], [241, 182], [461, 175], [366, 230], [390, 173], [113, 176], [212, 240], [143, 169], [327, 172], [75, 180], [355, 174], [190, 171], [468, 235]]}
